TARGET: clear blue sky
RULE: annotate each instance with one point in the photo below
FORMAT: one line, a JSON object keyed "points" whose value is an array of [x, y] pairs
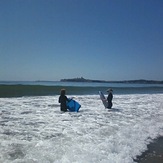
{"points": [[94, 39]]}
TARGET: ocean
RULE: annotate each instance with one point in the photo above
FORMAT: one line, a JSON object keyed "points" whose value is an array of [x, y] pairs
{"points": [[34, 130]]}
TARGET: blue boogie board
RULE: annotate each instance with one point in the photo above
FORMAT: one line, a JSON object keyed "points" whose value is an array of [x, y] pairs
{"points": [[73, 106]]}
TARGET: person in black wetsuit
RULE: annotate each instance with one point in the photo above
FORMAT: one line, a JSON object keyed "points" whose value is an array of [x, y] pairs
{"points": [[62, 100], [109, 98]]}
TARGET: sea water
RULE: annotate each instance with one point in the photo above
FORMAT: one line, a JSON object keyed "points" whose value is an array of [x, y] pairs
{"points": [[34, 130]]}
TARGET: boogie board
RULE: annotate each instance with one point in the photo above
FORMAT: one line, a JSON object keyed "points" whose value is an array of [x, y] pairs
{"points": [[73, 106], [103, 99]]}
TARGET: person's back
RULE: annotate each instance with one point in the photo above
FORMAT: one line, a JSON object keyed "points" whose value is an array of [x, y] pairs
{"points": [[62, 100], [109, 98]]}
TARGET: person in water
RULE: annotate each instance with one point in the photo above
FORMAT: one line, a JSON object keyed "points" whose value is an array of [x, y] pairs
{"points": [[109, 98], [62, 100]]}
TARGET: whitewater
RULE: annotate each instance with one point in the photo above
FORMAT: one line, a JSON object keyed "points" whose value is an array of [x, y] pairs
{"points": [[34, 130]]}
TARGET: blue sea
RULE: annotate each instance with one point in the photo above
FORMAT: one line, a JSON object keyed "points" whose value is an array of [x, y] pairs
{"points": [[18, 88], [34, 130]]}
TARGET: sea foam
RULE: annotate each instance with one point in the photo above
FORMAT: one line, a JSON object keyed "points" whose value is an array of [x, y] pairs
{"points": [[33, 130]]}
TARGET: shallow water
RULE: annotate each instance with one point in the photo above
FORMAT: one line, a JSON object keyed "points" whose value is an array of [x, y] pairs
{"points": [[33, 130]]}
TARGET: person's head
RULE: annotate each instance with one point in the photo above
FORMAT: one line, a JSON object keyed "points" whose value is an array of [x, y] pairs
{"points": [[110, 90], [63, 91]]}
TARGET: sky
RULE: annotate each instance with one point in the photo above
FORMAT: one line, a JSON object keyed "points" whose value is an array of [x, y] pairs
{"points": [[95, 39]]}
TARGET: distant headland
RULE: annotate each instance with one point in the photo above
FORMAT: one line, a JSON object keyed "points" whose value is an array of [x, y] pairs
{"points": [[141, 81]]}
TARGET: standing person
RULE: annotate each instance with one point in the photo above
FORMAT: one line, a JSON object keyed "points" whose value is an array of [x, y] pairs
{"points": [[62, 100], [109, 98]]}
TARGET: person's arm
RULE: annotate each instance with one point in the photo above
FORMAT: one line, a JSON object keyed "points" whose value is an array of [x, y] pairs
{"points": [[59, 100], [67, 99]]}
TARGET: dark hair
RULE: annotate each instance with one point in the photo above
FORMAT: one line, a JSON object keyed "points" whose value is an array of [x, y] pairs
{"points": [[63, 92]]}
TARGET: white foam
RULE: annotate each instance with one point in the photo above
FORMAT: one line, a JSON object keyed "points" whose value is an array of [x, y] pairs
{"points": [[34, 130]]}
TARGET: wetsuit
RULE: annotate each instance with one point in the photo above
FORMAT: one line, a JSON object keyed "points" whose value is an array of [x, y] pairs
{"points": [[62, 100], [109, 99]]}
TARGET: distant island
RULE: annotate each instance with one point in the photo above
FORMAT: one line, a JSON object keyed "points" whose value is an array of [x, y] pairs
{"points": [[141, 81]]}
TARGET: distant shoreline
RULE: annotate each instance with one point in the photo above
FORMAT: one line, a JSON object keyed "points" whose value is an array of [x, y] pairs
{"points": [[141, 81]]}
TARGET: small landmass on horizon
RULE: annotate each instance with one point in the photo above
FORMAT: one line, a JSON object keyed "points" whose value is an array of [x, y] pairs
{"points": [[140, 81]]}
